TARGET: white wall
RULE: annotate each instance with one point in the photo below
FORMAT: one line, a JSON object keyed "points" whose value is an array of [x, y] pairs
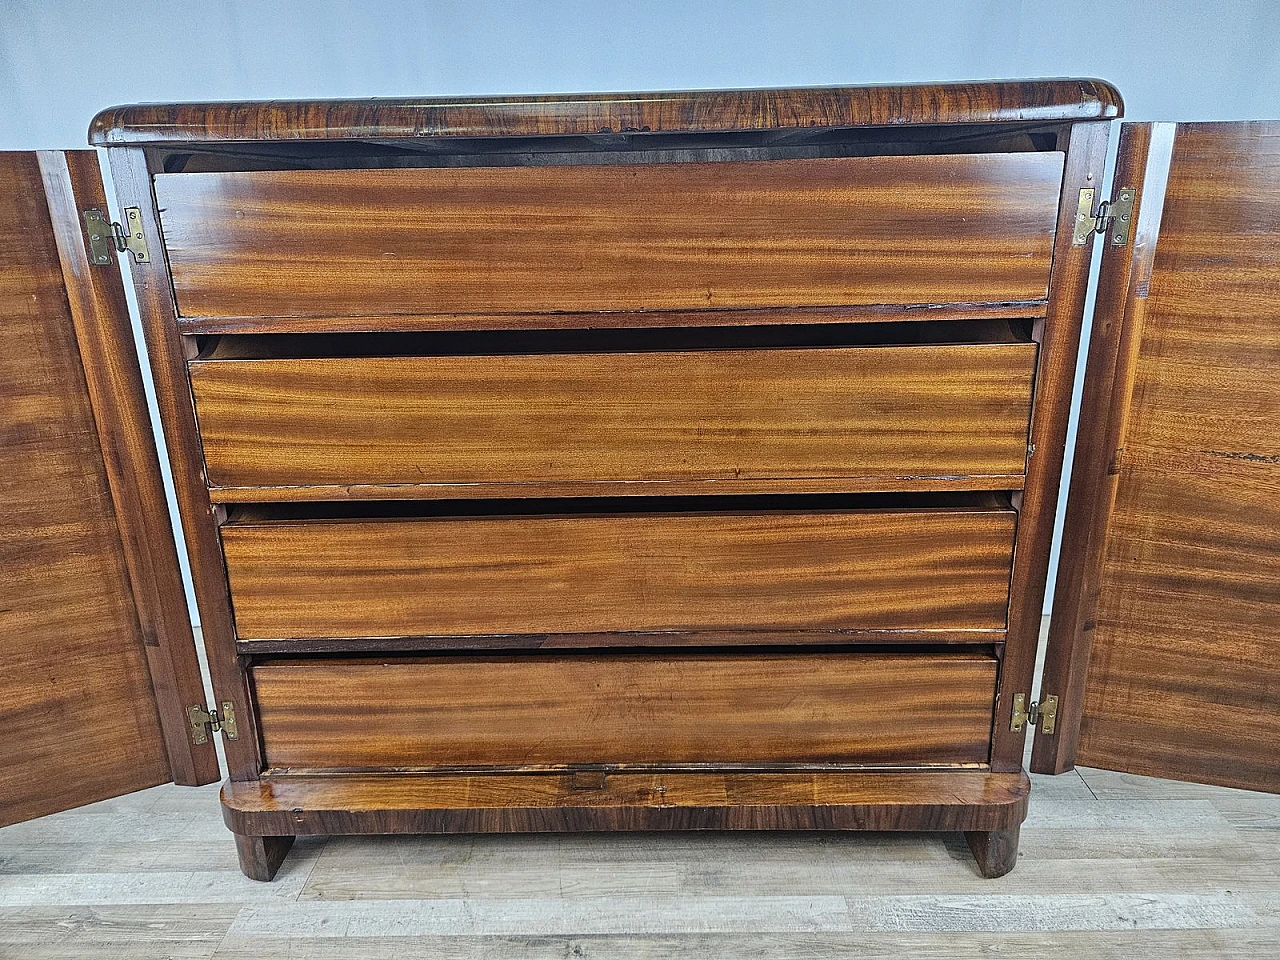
{"points": [[62, 60]]}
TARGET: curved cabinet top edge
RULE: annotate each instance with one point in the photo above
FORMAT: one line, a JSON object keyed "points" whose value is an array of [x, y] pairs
{"points": [[695, 111]]}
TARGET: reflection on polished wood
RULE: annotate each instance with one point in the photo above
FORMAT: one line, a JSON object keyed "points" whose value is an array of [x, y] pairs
{"points": [[586, 114]]}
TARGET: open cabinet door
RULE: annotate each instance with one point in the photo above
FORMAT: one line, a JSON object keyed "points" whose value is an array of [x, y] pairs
{"points": [[97, 661], [1164, 647]]}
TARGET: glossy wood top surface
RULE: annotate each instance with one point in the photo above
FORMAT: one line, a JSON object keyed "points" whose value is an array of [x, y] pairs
{"points": [[708, 111]]}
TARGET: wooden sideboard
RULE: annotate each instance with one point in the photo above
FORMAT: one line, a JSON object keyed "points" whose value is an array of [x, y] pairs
{"points": [[629, 462], [619, 462]]}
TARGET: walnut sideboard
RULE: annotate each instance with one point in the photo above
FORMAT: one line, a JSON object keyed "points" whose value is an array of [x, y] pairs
{"points": [[662, 461]]}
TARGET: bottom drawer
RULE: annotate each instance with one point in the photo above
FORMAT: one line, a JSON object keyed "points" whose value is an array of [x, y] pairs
{"points": [[538, 711]]}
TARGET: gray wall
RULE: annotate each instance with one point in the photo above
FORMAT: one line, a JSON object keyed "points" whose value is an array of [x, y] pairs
{"points": [[62, 60]]}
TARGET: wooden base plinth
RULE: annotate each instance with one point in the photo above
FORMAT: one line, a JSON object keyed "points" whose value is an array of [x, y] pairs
{"points": [[265, 814]]}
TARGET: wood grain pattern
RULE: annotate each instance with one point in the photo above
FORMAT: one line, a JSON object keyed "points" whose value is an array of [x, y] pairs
{"points": [[774, 570], [979, 228], [943, 483], [452, 803], [597, 113], [866, 416], [535, 711], [1183, 677], [104, 338], [77, 719], [131, 174]]}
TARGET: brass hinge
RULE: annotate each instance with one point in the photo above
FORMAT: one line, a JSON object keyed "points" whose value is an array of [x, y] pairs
{"points": [[1116, 214], [106, 236], [214, 722], [1045, 714]]}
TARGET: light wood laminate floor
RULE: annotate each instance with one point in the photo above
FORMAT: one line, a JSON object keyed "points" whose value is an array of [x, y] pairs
{"points": [[1111, 866]]}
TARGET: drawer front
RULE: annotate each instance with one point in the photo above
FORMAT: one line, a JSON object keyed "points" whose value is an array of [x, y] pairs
{"points": [[539, 711], [973, 228], [868, 415], [931, 568]]}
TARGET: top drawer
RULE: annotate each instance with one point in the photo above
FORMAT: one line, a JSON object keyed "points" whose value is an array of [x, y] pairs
{"points": [[974, 228]]}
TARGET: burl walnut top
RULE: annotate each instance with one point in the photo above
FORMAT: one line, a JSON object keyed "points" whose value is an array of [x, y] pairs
{"points": [[697, 111]]}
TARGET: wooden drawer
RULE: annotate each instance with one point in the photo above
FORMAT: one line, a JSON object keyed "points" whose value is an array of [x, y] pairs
{"points": [[665, 709], [942, 568], [974, 228], [872, 418]]}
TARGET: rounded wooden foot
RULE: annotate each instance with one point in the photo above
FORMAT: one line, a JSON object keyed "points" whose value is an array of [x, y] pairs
{"points": [[260, 857], [995, 850]]}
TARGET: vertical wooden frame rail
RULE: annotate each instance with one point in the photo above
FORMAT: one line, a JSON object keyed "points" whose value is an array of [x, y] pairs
{"points": [[131, 171], [72, 183], [1059, 337], [1142, 159]]}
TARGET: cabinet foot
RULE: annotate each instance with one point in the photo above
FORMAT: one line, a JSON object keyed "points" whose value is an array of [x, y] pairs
{"points": [[995, 850], [260, 857]]}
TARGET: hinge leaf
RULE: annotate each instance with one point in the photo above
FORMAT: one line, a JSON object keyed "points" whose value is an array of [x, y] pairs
{"points": [[1086, 222], [1047, 715], [203, 722], [1044, 714], [105, 236], [227, 721], [1118, 214], [1115, 214]]}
